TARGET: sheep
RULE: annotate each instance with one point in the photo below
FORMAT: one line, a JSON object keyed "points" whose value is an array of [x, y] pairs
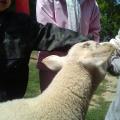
{"points": [[69, 94]]}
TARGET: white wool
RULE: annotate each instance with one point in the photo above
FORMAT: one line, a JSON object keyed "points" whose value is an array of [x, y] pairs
{"points": [[68, 96]]}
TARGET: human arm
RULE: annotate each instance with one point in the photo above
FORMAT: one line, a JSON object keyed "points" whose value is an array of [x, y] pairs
{"points": [[114, 62], [45, 12], [52, 37], [23, 34], [94, 27]]}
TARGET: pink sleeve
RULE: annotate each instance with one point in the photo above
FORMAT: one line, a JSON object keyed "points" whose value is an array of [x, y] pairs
{"points": [[45, 11], [95, 27]]}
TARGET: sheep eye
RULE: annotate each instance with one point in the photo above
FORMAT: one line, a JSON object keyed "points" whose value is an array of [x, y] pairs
{"points": [[86, 45]]}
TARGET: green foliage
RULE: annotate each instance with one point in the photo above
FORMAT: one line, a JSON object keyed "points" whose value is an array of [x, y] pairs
{"points": [[110, 19], [33, 88]]}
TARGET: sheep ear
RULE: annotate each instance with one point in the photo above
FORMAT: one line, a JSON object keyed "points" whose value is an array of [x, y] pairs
{"points": [[53, 62]]}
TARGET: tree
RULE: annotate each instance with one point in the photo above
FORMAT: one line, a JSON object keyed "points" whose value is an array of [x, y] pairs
{"points": [[110, 19]]}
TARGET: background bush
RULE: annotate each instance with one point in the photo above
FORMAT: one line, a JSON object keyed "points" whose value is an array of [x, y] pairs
{"points": [[110, 18]]}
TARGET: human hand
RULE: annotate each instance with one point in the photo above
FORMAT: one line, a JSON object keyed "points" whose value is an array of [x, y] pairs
{"points": [[116, 41]]}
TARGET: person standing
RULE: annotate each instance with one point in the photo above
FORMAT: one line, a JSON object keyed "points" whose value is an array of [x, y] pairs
{"points": [[82, 16], [14, 88]]}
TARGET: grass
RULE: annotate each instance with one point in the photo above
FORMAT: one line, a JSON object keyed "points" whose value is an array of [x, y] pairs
{"points": [[98, 112], [98, 107], [33, 88]]}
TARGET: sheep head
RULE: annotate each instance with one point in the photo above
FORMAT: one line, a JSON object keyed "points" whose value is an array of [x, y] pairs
{"points": [[92, 55]]}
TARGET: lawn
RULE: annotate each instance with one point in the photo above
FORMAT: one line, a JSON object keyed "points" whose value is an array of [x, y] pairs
{"points": [[99, 103], [102, 98], [33, 88]]}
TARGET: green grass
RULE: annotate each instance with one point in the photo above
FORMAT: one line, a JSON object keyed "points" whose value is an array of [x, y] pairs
{"points": [[33, 88], [97, 113]]}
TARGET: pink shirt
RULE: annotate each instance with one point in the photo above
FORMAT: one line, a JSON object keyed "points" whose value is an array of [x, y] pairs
{"points": [[55, 11]]}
